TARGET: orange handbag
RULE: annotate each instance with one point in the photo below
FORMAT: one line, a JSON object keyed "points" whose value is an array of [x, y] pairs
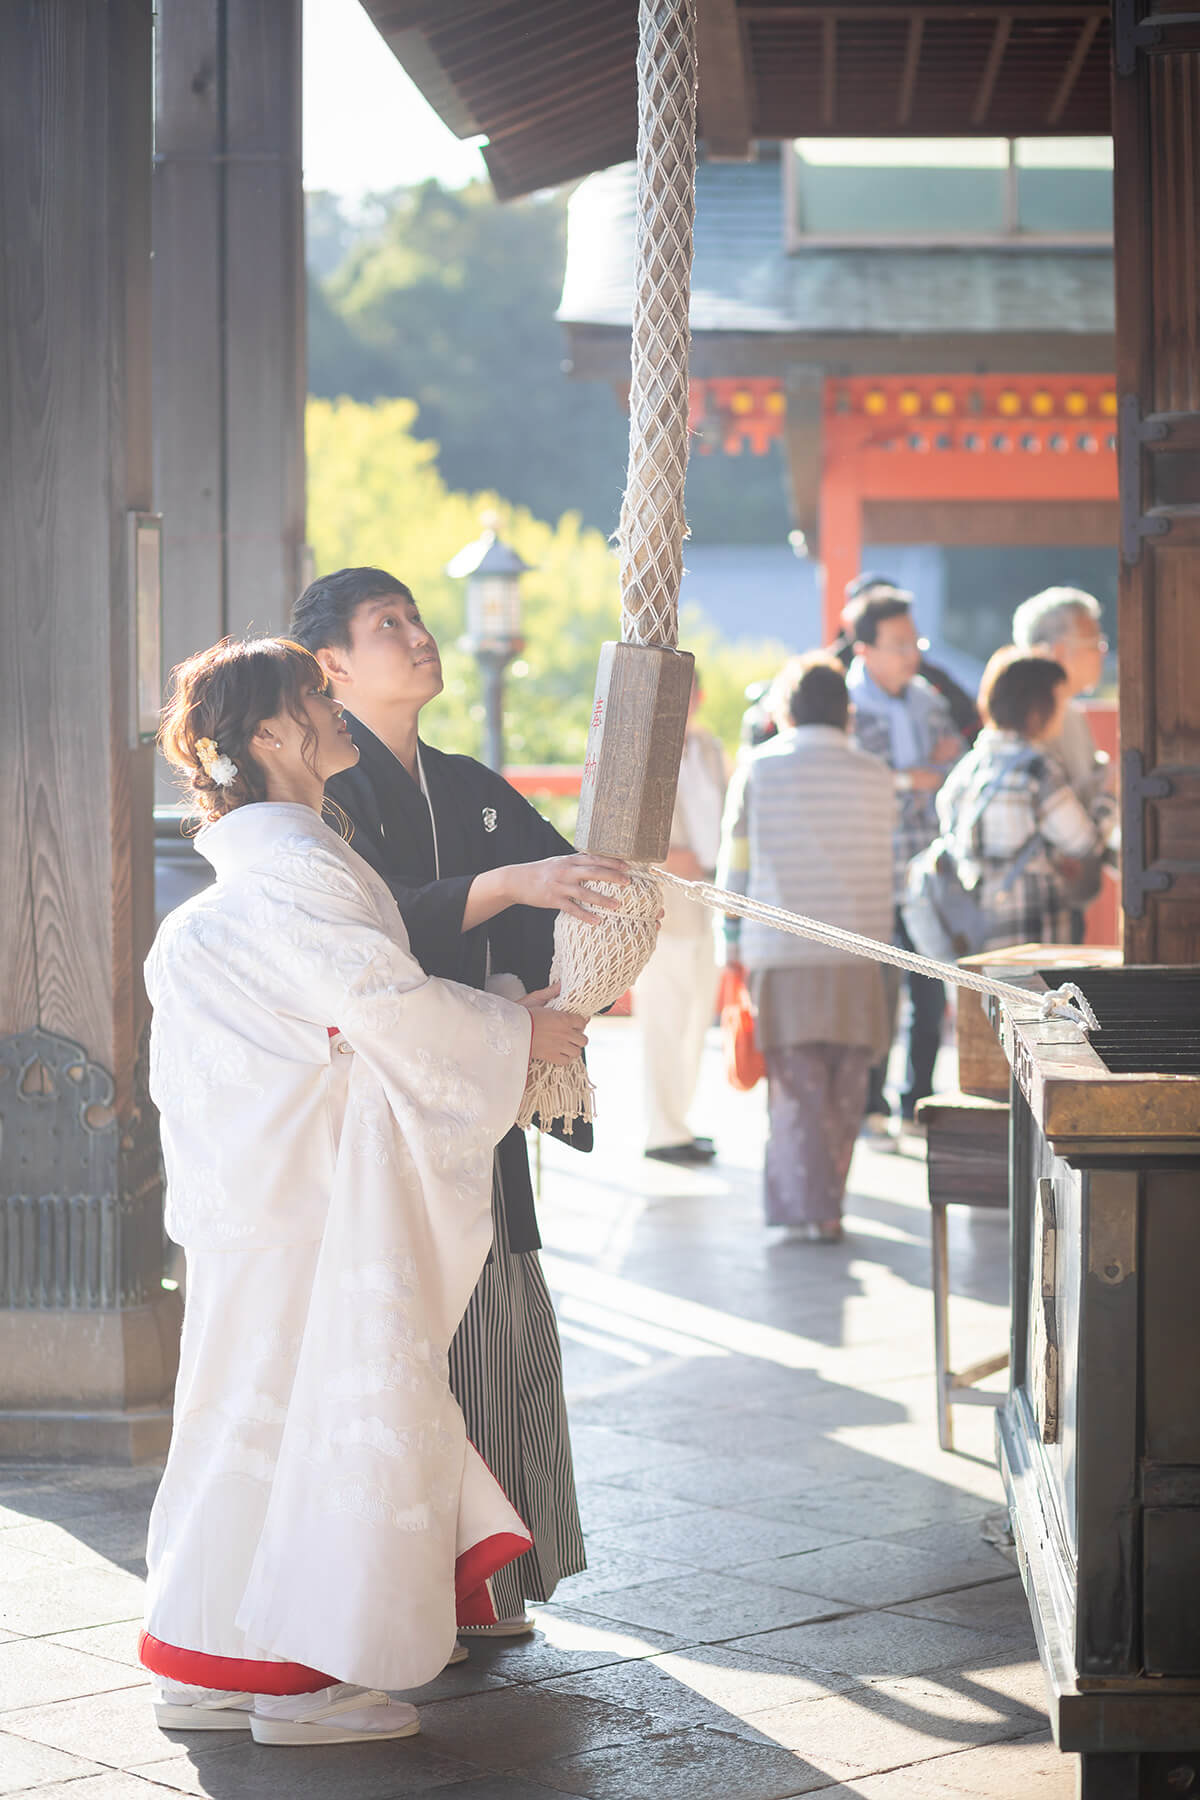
{"points": [[744, 1064]]}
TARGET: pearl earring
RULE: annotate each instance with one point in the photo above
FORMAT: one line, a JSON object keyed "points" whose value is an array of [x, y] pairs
{"points": [[278, 744]]}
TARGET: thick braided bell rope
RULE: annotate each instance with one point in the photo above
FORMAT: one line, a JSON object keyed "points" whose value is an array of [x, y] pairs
{"points": [[595, 964], [653, 526]]}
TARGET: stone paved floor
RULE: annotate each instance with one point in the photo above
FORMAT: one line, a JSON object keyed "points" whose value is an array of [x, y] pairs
{"points": [[788, 1590]]}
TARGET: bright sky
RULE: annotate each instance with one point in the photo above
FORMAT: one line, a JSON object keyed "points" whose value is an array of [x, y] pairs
{"points": [[366, 127]]}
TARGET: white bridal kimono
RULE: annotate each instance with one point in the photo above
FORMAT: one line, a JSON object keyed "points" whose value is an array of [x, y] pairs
{"points": [[333, 1195]]}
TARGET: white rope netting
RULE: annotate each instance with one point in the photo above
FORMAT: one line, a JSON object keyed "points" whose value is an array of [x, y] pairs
{"points": [[653, 525], [595, 964]]}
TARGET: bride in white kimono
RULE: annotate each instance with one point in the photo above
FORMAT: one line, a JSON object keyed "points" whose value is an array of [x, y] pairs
{"points": [[328, 1120]]}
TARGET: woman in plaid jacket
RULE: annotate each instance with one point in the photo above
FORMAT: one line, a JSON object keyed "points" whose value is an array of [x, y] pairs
{"points": [[1007, 807]]}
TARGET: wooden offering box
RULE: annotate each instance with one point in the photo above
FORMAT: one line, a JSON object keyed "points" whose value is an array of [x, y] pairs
{"points": [[1100, 1438]]}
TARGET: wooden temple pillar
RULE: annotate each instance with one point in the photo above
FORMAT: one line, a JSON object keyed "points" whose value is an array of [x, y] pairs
{"points": [[88, 1335], [1100, 1436], [229, 309], [1156, 127]]}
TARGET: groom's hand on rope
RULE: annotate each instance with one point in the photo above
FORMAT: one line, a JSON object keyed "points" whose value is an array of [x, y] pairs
{"points": [[558, 883], [558, 1037]]}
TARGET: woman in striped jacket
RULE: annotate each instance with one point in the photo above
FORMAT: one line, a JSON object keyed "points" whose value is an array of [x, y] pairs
{"points": [[1009, 811], [808, 826]]}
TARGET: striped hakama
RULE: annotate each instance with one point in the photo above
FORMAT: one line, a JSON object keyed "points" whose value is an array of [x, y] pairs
{"points": [[506, 1374]]}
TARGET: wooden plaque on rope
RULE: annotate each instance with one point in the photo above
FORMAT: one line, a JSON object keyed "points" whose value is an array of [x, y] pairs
{"points": [[634, 747]]}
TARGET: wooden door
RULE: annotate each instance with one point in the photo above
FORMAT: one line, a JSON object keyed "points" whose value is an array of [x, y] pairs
{"points": [[1156, 132]]}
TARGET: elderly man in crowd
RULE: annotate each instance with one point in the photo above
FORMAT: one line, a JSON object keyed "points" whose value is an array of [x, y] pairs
{"points": [[869, 586], [1063, 623], [758, 724], [900, 718]]}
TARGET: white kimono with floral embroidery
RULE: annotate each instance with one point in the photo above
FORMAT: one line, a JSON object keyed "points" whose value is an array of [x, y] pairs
{"points": [[333, 1196]]}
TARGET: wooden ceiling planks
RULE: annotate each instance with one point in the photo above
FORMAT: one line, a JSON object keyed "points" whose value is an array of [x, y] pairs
{"points": [[552, 83], [1001, 31]]}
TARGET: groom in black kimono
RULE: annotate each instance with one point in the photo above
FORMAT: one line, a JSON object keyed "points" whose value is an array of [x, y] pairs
{"points": [[452, 838]]}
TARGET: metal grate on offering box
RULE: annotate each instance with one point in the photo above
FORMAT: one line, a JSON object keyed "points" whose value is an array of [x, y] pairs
{"points": [[1149, 1017]]}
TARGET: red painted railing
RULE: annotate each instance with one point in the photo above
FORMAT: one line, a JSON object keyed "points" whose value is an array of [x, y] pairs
{"points": [[544, 778]]}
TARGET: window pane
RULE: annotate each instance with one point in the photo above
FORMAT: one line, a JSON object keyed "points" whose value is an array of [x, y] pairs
{"points": [[952, 188], [911, 153], [1056, 201], [889, 201]]}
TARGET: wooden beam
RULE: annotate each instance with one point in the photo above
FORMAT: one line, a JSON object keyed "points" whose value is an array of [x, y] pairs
{"points": [[912, 62], [87, 1332], [635, 741], [263, 320], [1066, 86], [724, 75], [188, 355], [828, 71], [803, 432], [983, 523], [601, 353], [229, 319], [76, 790], [1156, 119], [405, 15], [991, 71], [1043, 11]]}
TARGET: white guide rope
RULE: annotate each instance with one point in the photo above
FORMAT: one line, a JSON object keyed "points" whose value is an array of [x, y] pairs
{"points": [[653, 526], [595, 964], [1063, 1002]]}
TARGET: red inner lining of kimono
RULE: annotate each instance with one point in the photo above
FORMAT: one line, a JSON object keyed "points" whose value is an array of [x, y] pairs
{"points": [[237, 1675]]}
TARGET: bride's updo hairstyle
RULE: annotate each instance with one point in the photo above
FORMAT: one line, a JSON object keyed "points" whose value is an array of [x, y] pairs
{"points": [[217, 702]]}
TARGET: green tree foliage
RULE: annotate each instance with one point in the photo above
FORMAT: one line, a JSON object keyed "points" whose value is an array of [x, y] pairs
{"points": [[446, 297], [376, 495], [450, 302]]}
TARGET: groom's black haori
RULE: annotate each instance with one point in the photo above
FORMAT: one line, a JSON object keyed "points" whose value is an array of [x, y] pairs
{"points": [[482, 823]]}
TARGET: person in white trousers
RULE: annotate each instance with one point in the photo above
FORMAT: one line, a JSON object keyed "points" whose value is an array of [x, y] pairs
{"points": [[675, 994]]}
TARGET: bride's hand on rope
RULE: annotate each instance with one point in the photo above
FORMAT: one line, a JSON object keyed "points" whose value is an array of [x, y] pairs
{"points": [[559, 883], [558, 1037]]}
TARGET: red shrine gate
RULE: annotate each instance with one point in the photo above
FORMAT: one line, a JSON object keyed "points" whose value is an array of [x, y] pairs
{"points": [[953, 459]]}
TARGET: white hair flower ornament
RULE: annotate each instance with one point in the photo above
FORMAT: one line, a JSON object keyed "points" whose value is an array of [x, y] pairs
{"points": [[221, 769]]}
